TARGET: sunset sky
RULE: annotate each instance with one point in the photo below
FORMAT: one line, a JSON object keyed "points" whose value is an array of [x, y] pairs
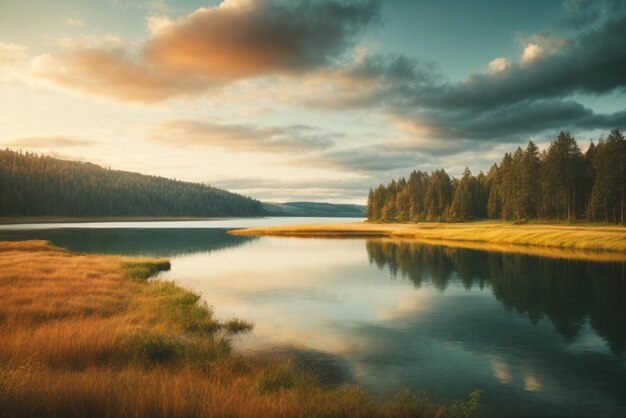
{"points": [[306, 100]]}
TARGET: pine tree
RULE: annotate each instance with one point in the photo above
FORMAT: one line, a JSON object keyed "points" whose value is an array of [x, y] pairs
{"points": [[462, 205]]}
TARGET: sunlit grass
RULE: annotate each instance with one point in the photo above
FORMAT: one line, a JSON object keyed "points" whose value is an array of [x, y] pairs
{"points": [[88, 335], [144, 269], [586, 238]]}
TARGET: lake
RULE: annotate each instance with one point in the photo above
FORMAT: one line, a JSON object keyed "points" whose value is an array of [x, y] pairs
{"points": [[542, 337]]}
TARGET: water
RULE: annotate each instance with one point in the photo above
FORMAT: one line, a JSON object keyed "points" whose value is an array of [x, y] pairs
{"points": [[541, 337]]}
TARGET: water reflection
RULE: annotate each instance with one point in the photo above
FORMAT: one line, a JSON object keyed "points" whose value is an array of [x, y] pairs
{"points": [[152, 242], [570, 293]]}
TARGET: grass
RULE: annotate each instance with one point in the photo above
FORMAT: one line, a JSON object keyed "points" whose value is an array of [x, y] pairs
{"points": [[575, 241], [88, 335]]}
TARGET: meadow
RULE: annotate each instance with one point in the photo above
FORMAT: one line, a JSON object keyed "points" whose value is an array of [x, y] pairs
{"points": [[93, 335]]}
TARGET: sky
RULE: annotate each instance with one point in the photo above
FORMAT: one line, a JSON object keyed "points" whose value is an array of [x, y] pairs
{"points": [[317, 100]]}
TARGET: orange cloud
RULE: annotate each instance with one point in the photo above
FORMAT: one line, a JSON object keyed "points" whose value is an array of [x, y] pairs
{"points": [[214, 46], [114, 73]]}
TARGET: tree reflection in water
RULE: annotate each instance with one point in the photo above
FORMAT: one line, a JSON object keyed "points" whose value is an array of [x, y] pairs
{"points": [[568, 292]]}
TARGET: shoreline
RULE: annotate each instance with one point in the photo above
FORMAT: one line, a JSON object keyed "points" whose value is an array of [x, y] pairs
{"points": [[20, 220], [601, 243]]}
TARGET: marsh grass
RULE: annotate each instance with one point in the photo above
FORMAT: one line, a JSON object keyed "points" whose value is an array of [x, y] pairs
{"points": [[88, 335], [144, 269], [582, 241]]}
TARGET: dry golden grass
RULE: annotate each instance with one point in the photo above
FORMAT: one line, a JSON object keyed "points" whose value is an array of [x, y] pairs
{"points": [[87, 335], [586, 242]]}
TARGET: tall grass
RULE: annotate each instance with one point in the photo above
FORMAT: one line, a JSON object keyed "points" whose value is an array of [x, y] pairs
{"points": [[89, 336], [566, 237]]}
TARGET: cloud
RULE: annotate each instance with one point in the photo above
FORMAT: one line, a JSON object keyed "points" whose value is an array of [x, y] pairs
{"points": [[113, 73], [74, 21], [48, 142], [531, 51], [541, 45], [581, 14], [367, 159], [246, 38], [375, 80], [516, 120], [11, 54], [498, 65], [281, 189], [214, 46], [241, 138], [511, 99]]}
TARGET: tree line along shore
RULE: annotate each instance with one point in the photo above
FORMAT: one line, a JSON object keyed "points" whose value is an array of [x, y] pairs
{"points": [[37, 185], [560, 183]]}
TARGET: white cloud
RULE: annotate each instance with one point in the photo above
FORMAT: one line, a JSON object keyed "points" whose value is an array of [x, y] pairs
{"points": [[541, 45], [498, 65], [531, 52]]}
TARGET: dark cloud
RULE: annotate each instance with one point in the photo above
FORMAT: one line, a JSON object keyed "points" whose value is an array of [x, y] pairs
{"points": [[369, 159], [47, 142], [244, 138], [514, 99], [581, 14], [246, 38], [593, 63], [214, 46], [516, 120]]}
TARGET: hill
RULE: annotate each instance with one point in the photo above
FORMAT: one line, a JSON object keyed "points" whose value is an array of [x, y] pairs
{"points": [[37, 185], [314, 209]]}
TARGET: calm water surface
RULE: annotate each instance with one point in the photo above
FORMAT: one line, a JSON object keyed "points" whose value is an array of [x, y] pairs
{"points": [[541, 337]]}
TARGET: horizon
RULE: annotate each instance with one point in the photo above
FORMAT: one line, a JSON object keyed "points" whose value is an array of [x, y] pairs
{"points": [[306, 101]]}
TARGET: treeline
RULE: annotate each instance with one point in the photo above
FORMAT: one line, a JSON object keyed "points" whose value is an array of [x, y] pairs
{"points": [[560, 183], [37, 185]]}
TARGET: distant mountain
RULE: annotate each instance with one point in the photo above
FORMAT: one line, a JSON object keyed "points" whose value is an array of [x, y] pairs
{"points": [[36, 185], [314, 209]]}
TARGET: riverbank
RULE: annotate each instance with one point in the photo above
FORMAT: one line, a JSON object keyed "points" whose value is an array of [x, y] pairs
{"points": [[579, 241], [89, 335]]}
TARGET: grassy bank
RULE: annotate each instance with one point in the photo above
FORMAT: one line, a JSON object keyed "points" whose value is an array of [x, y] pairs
{"points": [[578, 241], [88, 335]]}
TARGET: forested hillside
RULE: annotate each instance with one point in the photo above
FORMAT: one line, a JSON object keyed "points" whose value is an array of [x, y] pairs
{"points": [[314, 209], [560, 183], [34, 185]]}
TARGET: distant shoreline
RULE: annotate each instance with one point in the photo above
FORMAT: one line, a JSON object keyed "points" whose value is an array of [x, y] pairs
{"points": [[20, 220], [15, 220], [602, 243]]}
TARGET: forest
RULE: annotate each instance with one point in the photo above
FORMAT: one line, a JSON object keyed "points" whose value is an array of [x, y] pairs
{"points": [[37, 185], [559, 183]]}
